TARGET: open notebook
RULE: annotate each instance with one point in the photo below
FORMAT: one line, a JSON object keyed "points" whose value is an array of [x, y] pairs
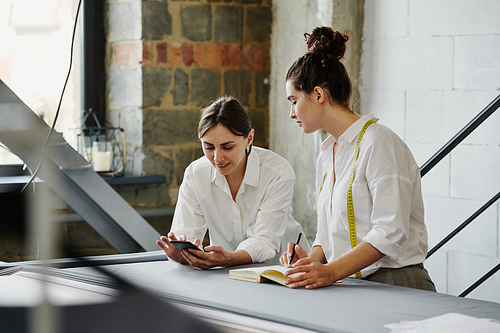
{"points": [[260, 274]]}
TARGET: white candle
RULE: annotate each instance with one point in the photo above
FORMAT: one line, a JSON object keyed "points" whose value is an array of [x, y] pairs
{"points": [[108, 158], [102, 161]]}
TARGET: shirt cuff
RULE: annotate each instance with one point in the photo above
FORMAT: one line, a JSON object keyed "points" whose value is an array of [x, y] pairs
{"points": [[257, 251], [384, 245]]}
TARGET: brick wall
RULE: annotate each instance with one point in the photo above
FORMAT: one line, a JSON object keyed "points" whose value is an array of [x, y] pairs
{"points": [[189, 53], [166, 60]]}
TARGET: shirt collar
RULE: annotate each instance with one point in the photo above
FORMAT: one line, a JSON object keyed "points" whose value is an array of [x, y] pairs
{"points": [[252, 171], [352, 132]]}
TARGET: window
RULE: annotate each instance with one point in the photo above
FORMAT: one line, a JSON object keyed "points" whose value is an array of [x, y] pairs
{"points": [[34, 60]]}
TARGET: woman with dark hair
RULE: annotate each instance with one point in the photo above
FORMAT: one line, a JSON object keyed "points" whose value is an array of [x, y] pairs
{"points": [[241, 194], [369, 199]]}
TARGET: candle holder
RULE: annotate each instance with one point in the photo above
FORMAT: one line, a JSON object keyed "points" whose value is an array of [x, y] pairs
{"points": [[103, 146]]}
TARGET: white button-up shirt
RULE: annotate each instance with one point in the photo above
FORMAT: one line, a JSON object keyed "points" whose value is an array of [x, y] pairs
{"points": [[387, 197], [258, 221]]}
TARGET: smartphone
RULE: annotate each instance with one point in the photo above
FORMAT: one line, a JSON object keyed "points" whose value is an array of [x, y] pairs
{"points": [[184, 245]]}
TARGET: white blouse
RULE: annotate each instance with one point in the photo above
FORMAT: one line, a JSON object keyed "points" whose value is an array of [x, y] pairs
{"points": [[387, 197], [258, 221]]}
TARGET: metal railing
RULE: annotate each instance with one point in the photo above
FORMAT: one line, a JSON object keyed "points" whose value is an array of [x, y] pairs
{"points": [[443, 152]]}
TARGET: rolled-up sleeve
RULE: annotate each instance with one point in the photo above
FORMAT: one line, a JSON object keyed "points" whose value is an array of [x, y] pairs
{"points": [[390, 215], [386, 197], [266, 234], [391, 190]]}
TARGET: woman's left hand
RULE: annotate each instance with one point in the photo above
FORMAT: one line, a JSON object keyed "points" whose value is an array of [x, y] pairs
{"points": [[314, 274]]}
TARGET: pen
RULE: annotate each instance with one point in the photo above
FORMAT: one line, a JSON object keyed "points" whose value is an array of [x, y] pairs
{"points": [[293, 251]]}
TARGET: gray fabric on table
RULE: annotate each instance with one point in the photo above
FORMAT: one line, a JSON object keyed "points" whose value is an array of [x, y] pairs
{"points": [[351, 306]]}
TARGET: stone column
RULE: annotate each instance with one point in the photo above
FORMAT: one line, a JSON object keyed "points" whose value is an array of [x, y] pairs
{"points": [[292, 18], [123, 28], [348, 17]]}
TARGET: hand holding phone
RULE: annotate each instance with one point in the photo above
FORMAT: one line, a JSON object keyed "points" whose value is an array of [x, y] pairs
{"points": [[184, 245]]}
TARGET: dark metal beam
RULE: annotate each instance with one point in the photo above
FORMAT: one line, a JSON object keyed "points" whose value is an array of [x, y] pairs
{"points": [[464, 224], [480, 281], [460, 136], [69, 175]]}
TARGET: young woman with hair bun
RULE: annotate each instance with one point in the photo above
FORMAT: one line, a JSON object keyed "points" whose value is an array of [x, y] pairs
{"points": [[369, 200], [241, 194]]}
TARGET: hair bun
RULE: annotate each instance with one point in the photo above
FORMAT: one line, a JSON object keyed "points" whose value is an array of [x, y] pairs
{"points": [[327, 43]]}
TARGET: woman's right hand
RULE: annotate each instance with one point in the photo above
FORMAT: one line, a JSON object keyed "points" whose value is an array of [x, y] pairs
{"points": [[171, 251], [299, 254]]}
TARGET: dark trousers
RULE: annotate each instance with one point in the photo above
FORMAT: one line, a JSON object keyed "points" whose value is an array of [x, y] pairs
{"points": [[413, 276]]}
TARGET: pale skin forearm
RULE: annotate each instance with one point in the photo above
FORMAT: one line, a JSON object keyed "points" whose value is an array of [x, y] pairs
{"points": [[319, 274], [239, 257], [318, 254], [355, 260]]}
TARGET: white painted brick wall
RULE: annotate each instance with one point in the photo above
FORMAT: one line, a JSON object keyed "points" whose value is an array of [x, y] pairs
{"points": [[407, 63], [428, 68], [475, 266], [434, 266], [460, 107], [383, 103], [437, 181], [421, 106], [451, 110], [475, 172], [453, 17], [445, 214], [386, 18], [475, 65]]}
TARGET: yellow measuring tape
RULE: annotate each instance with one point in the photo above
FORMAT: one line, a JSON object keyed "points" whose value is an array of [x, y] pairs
{"points": [[350, 208]]}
